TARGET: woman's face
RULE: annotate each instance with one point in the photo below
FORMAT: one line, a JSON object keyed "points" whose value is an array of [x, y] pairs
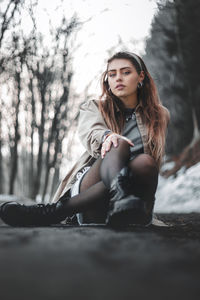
{"points": [[123, 78]]}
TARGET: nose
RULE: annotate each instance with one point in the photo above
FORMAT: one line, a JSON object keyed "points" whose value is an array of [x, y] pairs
{"points": [[118, 77]]}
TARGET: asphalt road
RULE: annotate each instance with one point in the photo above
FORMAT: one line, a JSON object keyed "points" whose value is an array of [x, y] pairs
{"points": [[99, 263]]}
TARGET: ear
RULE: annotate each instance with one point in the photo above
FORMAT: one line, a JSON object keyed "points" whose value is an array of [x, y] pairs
{"points": [[141, 76]]}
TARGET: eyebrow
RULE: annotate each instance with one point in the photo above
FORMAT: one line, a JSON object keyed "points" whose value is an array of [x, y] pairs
{"points": [[120, 69]]}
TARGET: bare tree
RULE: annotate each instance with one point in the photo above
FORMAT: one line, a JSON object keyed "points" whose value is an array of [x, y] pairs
{"points": [[39, 85], [7, 16], [18, 65]]}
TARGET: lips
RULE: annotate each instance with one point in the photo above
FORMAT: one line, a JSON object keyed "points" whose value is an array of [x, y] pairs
{"points": [[120, 86]]}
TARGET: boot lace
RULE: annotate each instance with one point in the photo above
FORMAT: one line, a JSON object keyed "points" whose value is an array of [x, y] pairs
{"points": [[40, 209]]}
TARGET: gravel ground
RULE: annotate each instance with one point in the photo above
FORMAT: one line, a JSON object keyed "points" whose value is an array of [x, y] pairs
{"points": [[99, 263]]}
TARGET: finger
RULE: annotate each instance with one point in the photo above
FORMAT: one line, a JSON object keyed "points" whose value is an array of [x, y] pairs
{"points": [[108, 145], [102, 154], [114, 141], [102, 151], [129, 141], [104, 147]]}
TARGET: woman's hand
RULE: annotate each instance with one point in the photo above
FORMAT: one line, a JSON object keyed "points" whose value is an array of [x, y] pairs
{"points": [[112, 139]]}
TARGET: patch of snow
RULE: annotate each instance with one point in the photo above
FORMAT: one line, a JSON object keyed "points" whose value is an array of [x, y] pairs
{"points": [[180, 194], [168, 166]]}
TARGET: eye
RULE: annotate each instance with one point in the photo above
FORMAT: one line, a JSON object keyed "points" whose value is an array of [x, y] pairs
{"points": [[127, 72], [111, 74]]}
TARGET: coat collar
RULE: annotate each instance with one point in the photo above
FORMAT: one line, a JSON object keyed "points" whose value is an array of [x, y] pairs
{"points": [[136, 108]]}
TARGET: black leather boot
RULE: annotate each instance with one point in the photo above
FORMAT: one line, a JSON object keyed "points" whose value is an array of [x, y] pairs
{"points": [[15, 214], [124, 207]]}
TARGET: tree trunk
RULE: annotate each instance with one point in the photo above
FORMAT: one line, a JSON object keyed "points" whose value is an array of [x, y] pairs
{"points": [[14, 157], [1, 161], [55, 181], [31, 166], [7, 17], [36, 186]]}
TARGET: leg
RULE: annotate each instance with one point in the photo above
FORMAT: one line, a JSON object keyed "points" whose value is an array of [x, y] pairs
{"points": [[93, 190], [96, 182], [114, 161], [144, 177], [93, 198], [133, 190], [93, 195]]}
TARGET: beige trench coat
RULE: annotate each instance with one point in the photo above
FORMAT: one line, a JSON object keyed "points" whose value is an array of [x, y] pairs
{"points": [[91, 128]]}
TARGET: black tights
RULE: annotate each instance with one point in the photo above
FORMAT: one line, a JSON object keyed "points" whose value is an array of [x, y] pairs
{"points": [[94, 197]]}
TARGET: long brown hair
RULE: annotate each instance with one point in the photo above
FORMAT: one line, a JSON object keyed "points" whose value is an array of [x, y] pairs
{"points": [[154, 115]]}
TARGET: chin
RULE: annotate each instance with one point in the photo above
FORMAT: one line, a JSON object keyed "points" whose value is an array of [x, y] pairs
{"points": [[121, 94]]}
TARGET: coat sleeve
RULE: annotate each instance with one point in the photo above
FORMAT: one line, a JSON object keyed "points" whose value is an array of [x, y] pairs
{"points": [[91, 127]]}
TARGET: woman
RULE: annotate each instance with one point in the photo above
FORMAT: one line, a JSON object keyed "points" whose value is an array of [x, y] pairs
{"points": [[115, 180]]}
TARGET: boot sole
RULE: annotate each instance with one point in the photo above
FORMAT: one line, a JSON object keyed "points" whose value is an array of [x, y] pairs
{"points": [[128, 211]]}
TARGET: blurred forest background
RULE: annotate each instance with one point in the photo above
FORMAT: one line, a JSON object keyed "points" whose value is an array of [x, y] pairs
{"points": [[37, 113]]}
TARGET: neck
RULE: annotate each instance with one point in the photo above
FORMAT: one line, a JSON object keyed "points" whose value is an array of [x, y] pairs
{"points": [[130, 101]]}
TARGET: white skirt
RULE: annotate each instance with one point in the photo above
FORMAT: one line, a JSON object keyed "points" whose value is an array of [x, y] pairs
{"points": [[75, 189]]}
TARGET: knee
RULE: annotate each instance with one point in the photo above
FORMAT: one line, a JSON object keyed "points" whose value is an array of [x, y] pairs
{"points": [[121, 145], [144, 164], [148, 161], [122, 150]]}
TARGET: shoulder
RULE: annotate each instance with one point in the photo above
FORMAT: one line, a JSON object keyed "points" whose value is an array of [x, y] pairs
{"points": [[90, 104], [167, 113]]}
